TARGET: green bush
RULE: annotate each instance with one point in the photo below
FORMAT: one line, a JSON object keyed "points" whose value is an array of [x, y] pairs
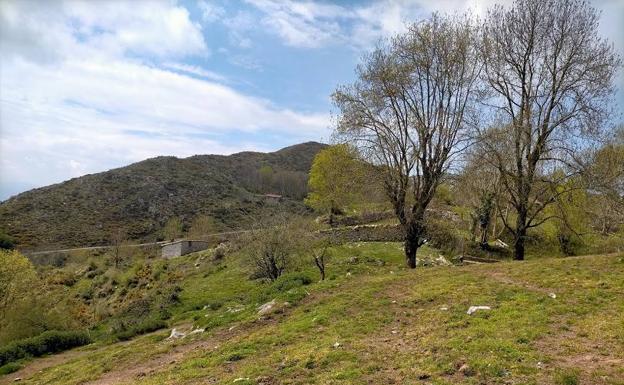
{"points": [[6, 242], [52, 341], [10, 368], [291, 281], [125, 332]]}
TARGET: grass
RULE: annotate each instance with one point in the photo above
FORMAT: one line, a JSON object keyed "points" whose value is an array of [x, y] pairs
{"points": [[373, 321]]}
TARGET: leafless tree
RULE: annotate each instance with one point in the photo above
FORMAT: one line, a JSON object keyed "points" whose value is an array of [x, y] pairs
{"points": [[408, 113], [552, 77]]}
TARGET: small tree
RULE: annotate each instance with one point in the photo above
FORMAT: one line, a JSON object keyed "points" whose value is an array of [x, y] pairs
{"points": [[202, 226], [119, 247], [272, 248], [173, 229], [335, 180]]}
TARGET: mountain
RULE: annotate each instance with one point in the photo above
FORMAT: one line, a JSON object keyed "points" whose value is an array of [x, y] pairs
{"points": [[140, 198]]}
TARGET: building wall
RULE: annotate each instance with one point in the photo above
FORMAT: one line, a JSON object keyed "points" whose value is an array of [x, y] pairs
{"points": [[180, 248]]}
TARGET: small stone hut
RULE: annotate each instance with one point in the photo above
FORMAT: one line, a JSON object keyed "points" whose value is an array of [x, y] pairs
{"points": [[183, 247]]}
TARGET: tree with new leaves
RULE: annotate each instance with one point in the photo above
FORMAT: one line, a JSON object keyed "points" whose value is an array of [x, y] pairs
{"points": [[409, 113], [173, 229], [202, 226], [336, 179], [551, 76]]}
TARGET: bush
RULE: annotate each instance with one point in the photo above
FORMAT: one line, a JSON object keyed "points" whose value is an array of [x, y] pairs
{"points": [[52, 341], [125, 332], [6, 242], [10, 368], [291, 281]]}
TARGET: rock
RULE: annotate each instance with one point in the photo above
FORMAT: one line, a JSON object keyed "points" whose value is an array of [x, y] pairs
{"points": [[176, 334], [266, 308], [16, 379], [354, 260], [444, 308], [348, 274], [196, 331], [443, 261], [337, 345], [466, 370], [500, 243], [239, 379], [473, 309], [552, 295]]}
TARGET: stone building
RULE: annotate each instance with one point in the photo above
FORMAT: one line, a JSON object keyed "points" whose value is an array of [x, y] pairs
{"points": [[183, 247]]}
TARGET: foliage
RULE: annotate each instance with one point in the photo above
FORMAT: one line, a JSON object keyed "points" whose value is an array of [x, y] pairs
{"points": [[202, 225], [52, 341], [172, 229], [336, 179]]}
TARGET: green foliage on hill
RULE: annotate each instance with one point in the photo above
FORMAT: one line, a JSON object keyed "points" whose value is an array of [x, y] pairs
{"points": [[139, 199]]}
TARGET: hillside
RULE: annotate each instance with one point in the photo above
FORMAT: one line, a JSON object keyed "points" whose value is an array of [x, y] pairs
{"points": [[552, 321], [141, 197]]}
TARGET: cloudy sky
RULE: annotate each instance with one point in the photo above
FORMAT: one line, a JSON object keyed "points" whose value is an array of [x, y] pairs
{"points": [[86, 86]]}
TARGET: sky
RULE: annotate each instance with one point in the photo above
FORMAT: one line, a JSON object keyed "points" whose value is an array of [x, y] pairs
{"points": [[86, 86]]}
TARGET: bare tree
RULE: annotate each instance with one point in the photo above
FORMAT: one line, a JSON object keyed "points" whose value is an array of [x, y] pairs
{"points": [[552, 77], [408, 113]]}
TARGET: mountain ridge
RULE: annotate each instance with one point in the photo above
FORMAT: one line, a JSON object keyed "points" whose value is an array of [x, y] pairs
{"points": [[139, 198]]}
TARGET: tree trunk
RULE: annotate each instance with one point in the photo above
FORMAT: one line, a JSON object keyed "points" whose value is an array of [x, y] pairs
{"points": [[520, 235], [413, 235]]}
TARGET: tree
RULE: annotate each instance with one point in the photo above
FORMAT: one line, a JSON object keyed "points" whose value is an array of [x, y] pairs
{"points": [[202, 226], [17, 277], [271, 248], [551, 76], [266, 178], [119, 247], [335, 180], [409, 111], [173, 229]]}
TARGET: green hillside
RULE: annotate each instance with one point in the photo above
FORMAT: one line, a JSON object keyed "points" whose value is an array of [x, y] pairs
{"points": [[552, 321], [139, 199]]}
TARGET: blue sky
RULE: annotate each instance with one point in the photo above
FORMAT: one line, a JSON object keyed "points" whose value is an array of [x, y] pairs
{"points": [[86, 86]]}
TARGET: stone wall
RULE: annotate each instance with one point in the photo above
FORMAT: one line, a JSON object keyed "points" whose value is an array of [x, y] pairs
{"points": [[366, 233], [179, 248]]}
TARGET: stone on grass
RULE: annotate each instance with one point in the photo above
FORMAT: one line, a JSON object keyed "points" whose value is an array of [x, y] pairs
{"points": [[337, 345], [552, 295], [176, 334], [266, 308], [473, 309]]}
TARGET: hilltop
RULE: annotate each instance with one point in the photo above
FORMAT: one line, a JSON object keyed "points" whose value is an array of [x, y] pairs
{"points": [[141, 197]]}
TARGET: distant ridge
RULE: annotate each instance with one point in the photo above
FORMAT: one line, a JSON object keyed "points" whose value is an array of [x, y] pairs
{"points": [[140, 198]]}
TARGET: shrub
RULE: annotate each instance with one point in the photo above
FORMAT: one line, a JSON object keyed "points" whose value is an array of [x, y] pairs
{"points": [[10, 368], [291, 281], [125, 332], [6, 242], [52, 341]]}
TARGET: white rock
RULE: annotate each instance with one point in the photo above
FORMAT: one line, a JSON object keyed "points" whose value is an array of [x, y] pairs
{"points": [[197, 331], [176, 334], [552, 295], [444, 308], [241, 379], [266, 308], [337, 345], [473, 309]]}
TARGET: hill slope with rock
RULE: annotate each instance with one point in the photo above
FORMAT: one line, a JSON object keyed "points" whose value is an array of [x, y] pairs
{"points": [[140, 198]]}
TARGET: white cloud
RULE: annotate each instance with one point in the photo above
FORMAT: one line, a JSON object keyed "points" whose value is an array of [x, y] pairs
{"points": [[84, 90], [211, 12]]}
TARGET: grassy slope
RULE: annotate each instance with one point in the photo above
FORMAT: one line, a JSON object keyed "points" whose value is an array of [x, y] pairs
{"points": [[388, 322]]}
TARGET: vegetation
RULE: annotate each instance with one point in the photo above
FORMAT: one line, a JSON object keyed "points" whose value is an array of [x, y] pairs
{"points": [[47, 342], [336, 180]]}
